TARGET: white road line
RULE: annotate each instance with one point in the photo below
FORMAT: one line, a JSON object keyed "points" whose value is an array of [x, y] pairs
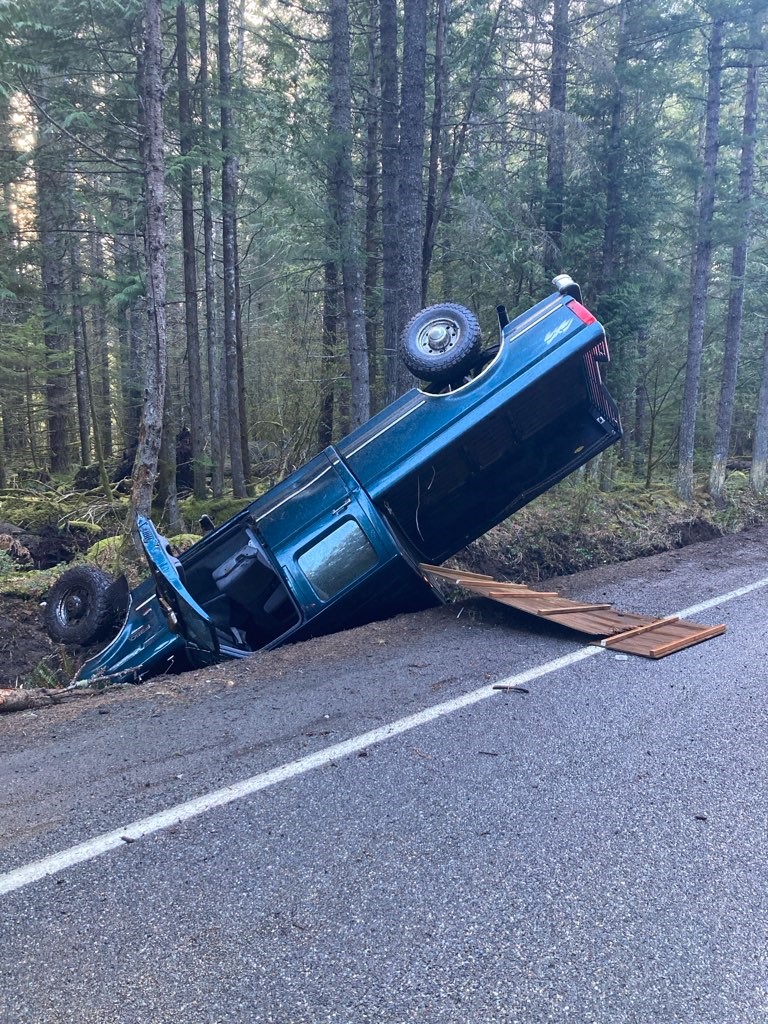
{"points": [[28, 873]]}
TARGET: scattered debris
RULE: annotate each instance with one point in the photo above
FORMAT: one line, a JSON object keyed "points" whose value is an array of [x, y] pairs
{"points": [[643, 635]]}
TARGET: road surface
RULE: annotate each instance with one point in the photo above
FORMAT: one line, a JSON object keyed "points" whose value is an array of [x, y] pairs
{"points": [[361, 828]]}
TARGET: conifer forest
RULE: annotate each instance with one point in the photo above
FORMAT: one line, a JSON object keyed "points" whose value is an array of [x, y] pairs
{"points": [[216, 218]]}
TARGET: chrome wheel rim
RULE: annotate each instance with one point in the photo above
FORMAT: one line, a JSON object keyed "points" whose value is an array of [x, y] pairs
{"points": [[438, 336]]}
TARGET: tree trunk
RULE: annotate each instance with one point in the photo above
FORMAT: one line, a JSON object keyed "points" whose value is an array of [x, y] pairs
{"points": [[197, 433], [240, 341], [101, 377], [229, 227], [758, 475], [410, 184], [49, 182], [328, 372], [372, 254], [212, 341], [554, 203], [613, 164], [239, 95], [342, 204], [390, 157], [129, 322], [151, 427], [435, 139], [702, 264], [641, 405], [79, 339], [738, 270], [167, 494], [79, 342]]}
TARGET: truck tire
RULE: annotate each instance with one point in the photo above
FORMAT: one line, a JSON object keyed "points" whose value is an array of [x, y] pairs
{"points": [[441, 343], [77, 609]]}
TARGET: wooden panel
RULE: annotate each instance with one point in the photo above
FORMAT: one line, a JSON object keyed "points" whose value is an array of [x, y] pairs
{"points": [[644, 635]]}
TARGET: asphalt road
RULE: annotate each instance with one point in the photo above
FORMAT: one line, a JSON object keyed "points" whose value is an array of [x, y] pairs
{"points": [[590, 847]]}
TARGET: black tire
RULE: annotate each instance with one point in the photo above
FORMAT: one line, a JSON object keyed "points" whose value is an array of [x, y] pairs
{"points": [[441, 343], [78, 609]]}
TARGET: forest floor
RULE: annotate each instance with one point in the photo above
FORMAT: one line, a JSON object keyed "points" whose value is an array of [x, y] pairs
{"points": [[571, 529]]}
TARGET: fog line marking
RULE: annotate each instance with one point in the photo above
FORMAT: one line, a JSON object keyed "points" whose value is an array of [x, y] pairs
{"points": [[91, 848]]}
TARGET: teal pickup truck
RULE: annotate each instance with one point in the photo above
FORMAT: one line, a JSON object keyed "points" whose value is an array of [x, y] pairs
{"points": [[339, 542]]}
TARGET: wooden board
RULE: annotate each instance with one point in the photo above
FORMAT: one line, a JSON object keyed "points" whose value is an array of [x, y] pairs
{"points": [[627, 632]]}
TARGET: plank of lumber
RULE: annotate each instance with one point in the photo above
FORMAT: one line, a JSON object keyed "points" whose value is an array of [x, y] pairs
{"points": [[440, 570], [518, 594], [687, 641], [611, 641], [573, 609]]}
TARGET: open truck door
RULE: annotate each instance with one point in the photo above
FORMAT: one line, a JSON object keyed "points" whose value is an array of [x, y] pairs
{"points": [[183, 614]]}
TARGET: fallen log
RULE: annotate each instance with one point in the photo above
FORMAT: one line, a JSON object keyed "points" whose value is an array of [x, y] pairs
{"points": [[17, 699]]}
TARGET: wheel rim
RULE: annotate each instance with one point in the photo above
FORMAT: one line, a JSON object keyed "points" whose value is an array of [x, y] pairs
{"points": [[71, 607], [438, 336]]}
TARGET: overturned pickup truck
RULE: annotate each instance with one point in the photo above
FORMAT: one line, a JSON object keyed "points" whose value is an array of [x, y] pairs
{"points": [[338, 542]]}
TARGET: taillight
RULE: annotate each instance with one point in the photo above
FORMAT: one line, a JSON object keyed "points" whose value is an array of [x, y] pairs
{"points": [[581, 312]]}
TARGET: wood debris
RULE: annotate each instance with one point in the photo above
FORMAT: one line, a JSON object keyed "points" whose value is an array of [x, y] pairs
{"points": [[628, 632]]}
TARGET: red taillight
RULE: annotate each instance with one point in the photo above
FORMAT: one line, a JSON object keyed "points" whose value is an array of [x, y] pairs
{"points": [[581, 312]]}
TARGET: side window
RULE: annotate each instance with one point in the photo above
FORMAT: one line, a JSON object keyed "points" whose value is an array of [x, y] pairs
{"points": [[338, 559]]}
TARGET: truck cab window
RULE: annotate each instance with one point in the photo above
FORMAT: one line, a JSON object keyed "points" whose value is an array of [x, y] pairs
{"points": [[337, 560]]}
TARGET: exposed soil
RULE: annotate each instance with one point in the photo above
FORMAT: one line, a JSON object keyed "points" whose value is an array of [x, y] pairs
{"points": [[23, 642]]}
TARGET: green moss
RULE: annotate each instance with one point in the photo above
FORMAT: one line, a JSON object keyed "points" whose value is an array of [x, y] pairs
{"points": [[182, 541], [108, 554], [30, 513], [31, 585], [83, 524], [219, 509]]}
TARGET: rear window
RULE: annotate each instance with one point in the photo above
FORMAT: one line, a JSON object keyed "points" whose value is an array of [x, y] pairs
{"points": [[338, 559]]}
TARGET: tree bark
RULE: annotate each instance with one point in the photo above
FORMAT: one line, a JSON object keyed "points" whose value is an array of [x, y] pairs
{"points": [[239, 333], [702, 265], [372, 194], [758, 475], [435, 139], [641, 405], [197, 433], [77, 321], [410, 184], [342, 204], [212, 341], [167, 494], [738, 270], [229, 258], [102, 376], [240, 342], [614, 163], [328, 372], [390, 157], [554, 204], [130, 324], [151, 426], [49, 181]]}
